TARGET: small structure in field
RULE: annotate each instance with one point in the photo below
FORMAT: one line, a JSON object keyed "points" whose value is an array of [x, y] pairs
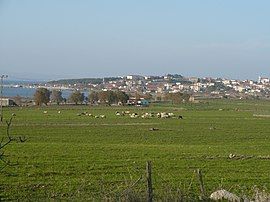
{"points": [[7, 102], [143, 103]]}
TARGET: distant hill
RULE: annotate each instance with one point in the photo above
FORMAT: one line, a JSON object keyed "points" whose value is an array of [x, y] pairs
{"points": [[22, 82], [84, 80]]}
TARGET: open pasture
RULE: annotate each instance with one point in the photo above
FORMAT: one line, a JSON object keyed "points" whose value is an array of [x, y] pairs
{"points": [[67, 156]]}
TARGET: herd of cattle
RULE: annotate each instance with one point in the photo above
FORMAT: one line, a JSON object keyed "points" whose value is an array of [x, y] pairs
{"points": [[136, 115], [148, 115], [131, 114]]}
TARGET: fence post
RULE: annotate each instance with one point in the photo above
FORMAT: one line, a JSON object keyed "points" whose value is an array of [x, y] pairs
{"points": [[149, 181], [200, 178]]}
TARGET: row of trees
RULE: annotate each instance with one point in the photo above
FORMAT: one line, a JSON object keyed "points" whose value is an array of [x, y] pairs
{"points": [[177, 98], [44, 96], [109, 97]]}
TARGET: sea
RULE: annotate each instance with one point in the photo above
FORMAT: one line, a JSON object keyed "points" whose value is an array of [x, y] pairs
{"points": [[29, 92]]}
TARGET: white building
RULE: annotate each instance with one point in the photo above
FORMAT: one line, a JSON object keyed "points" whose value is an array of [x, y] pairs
{"points": [[226, 82], [134, 77], [239, 88], [263, 80], [7, 102]]}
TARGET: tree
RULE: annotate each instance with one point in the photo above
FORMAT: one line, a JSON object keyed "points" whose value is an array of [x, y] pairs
{"points": [[93, 97], [177, 98], [111, 97], [148, 96], [121, 97], [77, 97], [57, 96], [42, 96], [86, 100], [137, 96], [5, 141], [18, 100], [102, 96]]}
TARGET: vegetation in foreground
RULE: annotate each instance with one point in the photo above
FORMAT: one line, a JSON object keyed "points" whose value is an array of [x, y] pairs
{"points": [[67, 156]]}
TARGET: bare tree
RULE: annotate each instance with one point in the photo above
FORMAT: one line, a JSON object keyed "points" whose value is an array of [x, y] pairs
{"points": [[77, 97], [18, 100], [177, 98], [93, 97], [56, 96], [121, 97], [42, 96], [5, 141]]}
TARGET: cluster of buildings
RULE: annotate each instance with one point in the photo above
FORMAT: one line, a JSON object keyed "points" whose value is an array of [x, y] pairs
{"points": [[160, 85], [155, 88]]}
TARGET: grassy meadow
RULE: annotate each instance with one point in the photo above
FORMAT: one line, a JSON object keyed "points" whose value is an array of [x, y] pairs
{"points": [[80, 157]]}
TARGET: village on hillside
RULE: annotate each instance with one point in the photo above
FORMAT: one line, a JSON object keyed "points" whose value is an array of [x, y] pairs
{"points": [[157, 86], [144, 89]]}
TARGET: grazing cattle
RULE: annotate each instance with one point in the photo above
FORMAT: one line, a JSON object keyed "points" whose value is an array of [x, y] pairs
{"points": [[102, 116], [45, 112], [134, 115], [146, 115], [180, 117], [96, 117], [164, 115], [231, 156], [83, 113], [222, 194], [59, 112], [171, 114]]}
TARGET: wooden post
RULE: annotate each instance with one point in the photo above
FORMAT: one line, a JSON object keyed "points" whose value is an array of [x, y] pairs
{"points": [[200, 178], [149, 181]]}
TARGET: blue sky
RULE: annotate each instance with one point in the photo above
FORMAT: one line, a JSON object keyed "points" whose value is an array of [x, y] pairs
{"points": [[94, 38]]}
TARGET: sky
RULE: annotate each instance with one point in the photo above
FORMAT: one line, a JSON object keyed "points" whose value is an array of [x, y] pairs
{"points": [[56, 39]]}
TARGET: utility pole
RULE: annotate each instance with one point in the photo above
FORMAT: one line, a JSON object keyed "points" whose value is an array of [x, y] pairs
{"points": [[1, 92]]}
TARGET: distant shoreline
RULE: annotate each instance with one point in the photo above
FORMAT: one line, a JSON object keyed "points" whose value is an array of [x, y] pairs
{"points": [[28, 91]]}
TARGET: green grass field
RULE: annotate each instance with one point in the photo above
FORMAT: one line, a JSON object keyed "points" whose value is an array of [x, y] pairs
{"points": [[78, 157]]}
